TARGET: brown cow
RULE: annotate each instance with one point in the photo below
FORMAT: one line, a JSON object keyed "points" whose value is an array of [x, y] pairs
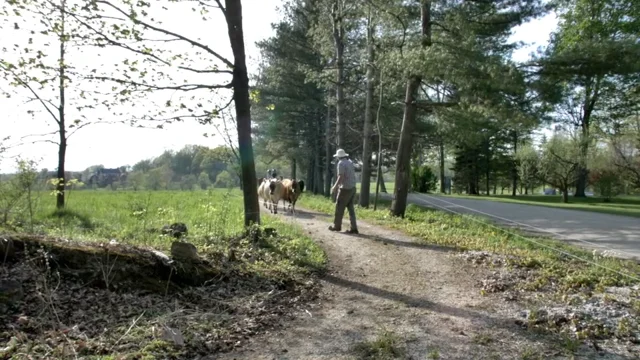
{"points": [[292, 190]]}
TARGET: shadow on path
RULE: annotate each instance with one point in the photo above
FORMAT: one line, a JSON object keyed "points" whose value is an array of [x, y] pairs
{"points": [[419, 302], [408, 244]]}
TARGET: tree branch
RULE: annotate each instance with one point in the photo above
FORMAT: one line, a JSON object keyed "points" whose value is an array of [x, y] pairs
{"points": [[25, 84], [224, 11], [146, 53], [167, 32], [45, 140], [34, 135], [184, 87], [429, 106]]}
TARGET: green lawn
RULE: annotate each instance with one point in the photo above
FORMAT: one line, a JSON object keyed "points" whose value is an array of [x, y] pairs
{"points": [[475, 233], [629, 206]]}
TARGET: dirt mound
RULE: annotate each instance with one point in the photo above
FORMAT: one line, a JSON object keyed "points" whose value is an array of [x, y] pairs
{"points": [[113, 265], [74, 299]]}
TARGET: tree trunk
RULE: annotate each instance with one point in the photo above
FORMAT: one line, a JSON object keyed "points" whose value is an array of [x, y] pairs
{"points": [[294, 168], [327, 136], [583, 172], [488, 167], [62, 145], [243, 112], [338, 38], [319, 186], [592, 94], [403, 159], [311, 179], [379, 154], [565, 195], [515, 165], [365, 188], [473, 187], [443, 188]]}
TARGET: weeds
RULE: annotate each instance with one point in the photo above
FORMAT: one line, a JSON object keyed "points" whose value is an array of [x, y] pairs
{"points": [[386, 345], [433, 355], [570, 343], [482, 339], [530, 353]]}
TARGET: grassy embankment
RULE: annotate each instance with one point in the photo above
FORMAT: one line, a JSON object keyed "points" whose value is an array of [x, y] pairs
{"points": [[552, 268]]}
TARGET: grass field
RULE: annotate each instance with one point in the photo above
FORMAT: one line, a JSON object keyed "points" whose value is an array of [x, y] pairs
{"points": [[463, 233], [134, 217], [623, 205], [72, 306], [388, 184]]}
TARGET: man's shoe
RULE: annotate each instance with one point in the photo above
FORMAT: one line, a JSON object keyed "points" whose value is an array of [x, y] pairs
{"points": [[331, 228], [351, 231]]}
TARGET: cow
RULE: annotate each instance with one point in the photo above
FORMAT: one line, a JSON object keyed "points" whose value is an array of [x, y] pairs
{"points": [[263, 193], [276, 191], [292, 190]]}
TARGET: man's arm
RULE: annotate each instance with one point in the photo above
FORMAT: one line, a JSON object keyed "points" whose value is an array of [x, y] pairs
{"points": [[339, 178], [338, 181]]}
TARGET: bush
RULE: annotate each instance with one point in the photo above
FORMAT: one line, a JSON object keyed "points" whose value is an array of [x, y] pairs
{"points": [[225, 180], [606, 182], [423, 180]]}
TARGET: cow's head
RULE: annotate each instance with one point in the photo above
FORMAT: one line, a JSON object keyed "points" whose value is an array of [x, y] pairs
{"points": [[272, 187], [301, 185]]}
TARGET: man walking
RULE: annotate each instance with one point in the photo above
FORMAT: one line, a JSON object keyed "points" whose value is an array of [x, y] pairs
{"points": [[346, 187]]}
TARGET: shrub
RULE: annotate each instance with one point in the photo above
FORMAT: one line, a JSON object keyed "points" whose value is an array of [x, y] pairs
{"points": [[423, 179]]}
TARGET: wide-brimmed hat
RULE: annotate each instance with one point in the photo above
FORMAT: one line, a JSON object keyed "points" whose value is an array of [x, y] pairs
{"points": [[340, 153]]}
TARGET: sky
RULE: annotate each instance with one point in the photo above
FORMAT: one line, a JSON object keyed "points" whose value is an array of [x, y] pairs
{"points": [[117, 145]]}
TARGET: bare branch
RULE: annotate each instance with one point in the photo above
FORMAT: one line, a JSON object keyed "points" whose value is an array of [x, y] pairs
{"points": [[78, 127], [184, 87], [224, 11], [167, 32], [26, 85], [169, 120], [34, 135], [45, 140], [228, 104], [146, 53]]}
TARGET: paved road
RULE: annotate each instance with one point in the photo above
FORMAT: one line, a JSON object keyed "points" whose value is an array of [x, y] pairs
{"points": [[601, 231]]}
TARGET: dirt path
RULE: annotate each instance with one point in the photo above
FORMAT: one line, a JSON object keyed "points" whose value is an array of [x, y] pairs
{"points": [[382, 279]]}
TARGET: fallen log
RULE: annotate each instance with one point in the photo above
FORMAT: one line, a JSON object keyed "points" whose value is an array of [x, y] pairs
{"points": [[108, 265]]}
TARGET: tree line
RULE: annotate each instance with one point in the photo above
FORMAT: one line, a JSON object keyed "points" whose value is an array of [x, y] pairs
{"points": [[433, 82], [398, 82]]}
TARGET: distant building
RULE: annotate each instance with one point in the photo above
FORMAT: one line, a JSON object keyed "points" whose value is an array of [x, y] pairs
{"points": [[105, 177]]}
